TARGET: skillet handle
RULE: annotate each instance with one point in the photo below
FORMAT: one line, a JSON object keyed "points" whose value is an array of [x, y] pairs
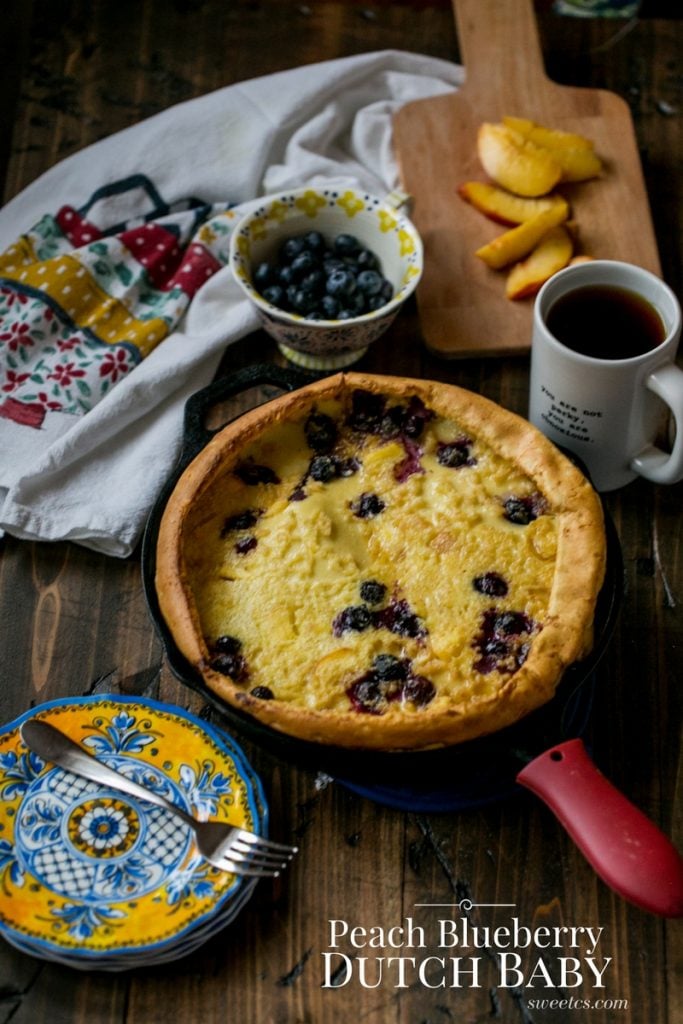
{"points": [[625, 848], [196, 435]]}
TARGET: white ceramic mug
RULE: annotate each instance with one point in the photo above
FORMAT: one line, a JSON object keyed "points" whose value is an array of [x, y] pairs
{"points": [[609, 412]]}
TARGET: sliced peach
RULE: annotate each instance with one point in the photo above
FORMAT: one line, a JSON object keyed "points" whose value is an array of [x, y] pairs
{"points": [[516, 163], [552, 253], [514, 244], [501, 206], [573, 153], [579, 164], [550, 138]]}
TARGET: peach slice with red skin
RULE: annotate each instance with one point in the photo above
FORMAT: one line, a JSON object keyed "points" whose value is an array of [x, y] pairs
{"points": [[574, 153], [527, 160], [516, 163], [503, 207], [550, 138], [552, 253], [516, 243]]}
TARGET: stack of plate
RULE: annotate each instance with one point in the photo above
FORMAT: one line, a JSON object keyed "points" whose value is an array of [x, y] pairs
{"points": [[94, 879]]}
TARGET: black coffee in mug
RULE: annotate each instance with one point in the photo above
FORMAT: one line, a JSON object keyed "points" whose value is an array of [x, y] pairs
{"points": [[606, 322]]}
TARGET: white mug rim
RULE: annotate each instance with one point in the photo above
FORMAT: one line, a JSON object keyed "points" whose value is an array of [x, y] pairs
{"points": [[584, 270]]}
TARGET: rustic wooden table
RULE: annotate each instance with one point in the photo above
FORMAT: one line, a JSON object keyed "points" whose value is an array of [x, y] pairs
{"points": [[74, 622]]}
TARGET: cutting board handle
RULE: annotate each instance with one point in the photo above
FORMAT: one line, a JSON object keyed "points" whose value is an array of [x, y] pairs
{"points": [[500, 48]]}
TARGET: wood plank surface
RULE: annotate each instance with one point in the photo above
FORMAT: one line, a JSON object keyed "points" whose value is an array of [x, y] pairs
{"points": [[462, 303], [74, 622]]}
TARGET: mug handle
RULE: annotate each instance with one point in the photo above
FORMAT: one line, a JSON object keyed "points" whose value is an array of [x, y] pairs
{"points": [[652, 462]]}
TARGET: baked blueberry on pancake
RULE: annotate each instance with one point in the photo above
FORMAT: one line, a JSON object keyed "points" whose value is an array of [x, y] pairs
{"points": [[385, 563]]}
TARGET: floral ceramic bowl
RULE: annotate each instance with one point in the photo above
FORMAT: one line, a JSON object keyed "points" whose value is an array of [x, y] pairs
{"points": [[378, 224]]}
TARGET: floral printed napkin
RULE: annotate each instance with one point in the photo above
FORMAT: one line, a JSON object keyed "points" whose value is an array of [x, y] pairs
{"points": [[80, 307], [116, 302]]}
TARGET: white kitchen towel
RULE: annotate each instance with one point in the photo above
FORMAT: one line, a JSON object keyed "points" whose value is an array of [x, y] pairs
{"points": [[116, 303]]}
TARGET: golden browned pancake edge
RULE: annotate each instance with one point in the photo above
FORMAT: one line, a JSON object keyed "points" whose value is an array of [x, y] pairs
{"points": [[566, 636]]}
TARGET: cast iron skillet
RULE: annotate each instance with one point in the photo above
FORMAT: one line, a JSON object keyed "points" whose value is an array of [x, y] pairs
{"points": [[615, 837], [469, 774]]}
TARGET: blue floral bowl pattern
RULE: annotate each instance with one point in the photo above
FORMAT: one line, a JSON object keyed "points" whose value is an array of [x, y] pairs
{"points": [[87, 874], [377, 223]]}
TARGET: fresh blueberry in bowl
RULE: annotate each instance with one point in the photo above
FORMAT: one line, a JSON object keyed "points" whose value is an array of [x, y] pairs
{"points": [[264, 275], [303, 264], [346, 245], [357, 255], [341, 283], [367, 260], [275, 294], [291, 248], [369, 282]]}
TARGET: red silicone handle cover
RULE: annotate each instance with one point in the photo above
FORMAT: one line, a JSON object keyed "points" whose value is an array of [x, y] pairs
{"points": [[626, 849]]}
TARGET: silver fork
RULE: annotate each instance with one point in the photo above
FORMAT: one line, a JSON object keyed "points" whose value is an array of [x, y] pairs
{"points": [[225, 846]]}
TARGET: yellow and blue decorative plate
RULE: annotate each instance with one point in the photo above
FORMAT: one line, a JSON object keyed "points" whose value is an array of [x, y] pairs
{"points": [[90, 877]]}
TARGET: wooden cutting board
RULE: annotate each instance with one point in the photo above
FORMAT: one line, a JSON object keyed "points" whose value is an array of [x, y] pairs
{"points": [[462, 303]]}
